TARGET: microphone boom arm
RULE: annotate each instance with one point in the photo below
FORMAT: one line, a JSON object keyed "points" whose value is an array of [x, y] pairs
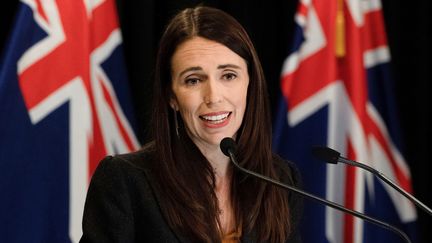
{"points": [[388, 182], [326, 202]]}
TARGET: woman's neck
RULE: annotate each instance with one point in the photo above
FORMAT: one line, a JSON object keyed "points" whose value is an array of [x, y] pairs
{"points": [[217, 159], [223, 174]]}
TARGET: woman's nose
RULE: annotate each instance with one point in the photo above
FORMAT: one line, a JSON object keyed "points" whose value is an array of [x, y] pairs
{"points": [[212, 92]]}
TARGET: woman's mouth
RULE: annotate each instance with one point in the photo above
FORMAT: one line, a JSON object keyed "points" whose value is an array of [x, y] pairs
{"points": [[215, 118]]}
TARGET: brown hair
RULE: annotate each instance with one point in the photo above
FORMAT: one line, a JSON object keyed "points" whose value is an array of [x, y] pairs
{"points": [[186, 178]]}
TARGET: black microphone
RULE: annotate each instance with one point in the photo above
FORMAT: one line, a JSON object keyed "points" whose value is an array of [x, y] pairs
{"points": [[332, 156], [228, 147]]}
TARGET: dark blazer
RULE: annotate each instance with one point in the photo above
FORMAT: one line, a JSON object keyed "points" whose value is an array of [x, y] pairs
{"points": [[122, 204]]}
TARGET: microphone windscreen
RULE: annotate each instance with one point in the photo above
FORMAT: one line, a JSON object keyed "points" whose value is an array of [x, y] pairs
{"points": [[327, 154], [228, 144]]}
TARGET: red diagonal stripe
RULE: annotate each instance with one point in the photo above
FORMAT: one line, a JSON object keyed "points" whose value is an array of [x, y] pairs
{"points": [[40, 10], [373, 31], [402, 178], [110, 102], [103, 22]]}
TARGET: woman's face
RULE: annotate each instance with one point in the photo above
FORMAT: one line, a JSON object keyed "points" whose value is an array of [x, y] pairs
{"points": [[209, 83]]}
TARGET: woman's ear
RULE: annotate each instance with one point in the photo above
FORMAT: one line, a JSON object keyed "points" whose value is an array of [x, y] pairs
{"points": [[173, 104]]}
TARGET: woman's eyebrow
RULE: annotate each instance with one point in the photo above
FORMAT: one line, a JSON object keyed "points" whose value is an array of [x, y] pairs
{"points": [[228, 66], [197, 68]]}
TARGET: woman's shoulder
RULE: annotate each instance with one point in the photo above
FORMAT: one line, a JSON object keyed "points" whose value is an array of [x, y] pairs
{"points": [[122, 204], [124, 174], [289, 174], [127, 164], [140, 159], [287, 171]]}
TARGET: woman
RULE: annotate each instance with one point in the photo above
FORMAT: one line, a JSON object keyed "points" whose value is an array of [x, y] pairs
{"points": [[209, 84]]}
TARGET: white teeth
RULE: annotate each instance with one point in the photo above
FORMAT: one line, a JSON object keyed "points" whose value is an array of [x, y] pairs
{"points": [[216, 118]]}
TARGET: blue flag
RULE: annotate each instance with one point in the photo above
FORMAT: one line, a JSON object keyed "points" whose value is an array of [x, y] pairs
{"points": [[337, 91], [64, 105]]}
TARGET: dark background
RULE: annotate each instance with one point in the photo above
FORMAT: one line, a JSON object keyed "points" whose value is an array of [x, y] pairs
{"points": [[270, 24]]}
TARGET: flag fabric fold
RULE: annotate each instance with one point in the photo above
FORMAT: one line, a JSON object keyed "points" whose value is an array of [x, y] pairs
{"points": [[337, 91], [64, 105]]}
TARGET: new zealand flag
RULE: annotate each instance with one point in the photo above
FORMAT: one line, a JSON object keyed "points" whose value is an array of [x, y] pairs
{"points": [[337, 91], [64, 105]]}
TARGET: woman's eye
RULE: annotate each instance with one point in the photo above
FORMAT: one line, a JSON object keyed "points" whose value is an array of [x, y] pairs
{"points": [[192, 81], [229, 76]]}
